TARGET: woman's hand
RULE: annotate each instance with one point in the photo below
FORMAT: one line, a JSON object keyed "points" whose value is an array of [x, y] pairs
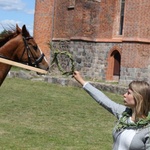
{"points": [[78, 77]]}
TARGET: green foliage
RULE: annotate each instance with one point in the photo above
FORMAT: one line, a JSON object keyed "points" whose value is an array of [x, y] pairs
{"points": [[3, 32], [58, 56], [43, 116]]}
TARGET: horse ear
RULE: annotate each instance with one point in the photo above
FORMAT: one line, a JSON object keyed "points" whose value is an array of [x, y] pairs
{"points": [[18, 30], [25, 32]]}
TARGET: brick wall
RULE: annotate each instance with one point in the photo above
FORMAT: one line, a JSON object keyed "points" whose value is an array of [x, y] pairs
{"points": [[43, 24], [136, 27], [90, 31], [87, 20], [91, 59]]}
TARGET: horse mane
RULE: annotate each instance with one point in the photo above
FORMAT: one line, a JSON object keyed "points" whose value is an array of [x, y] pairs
{"points": [[6, 35]]}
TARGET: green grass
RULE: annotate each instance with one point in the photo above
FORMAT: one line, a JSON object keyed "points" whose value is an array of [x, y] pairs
{"points": [[14, 68], [41, 116]]}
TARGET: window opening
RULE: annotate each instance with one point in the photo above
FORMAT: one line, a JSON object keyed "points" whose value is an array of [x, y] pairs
{"points": [[117, 59], [71, 4], [122, 16]]}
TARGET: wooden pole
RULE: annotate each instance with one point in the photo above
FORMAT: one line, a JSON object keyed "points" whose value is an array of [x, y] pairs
{"points": [[13, 63]]}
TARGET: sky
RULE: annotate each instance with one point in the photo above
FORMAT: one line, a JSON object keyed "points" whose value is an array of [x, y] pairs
{"points": [[19, 12]]}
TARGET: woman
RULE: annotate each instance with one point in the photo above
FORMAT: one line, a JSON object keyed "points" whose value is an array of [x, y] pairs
{"points": [[132, 131]]}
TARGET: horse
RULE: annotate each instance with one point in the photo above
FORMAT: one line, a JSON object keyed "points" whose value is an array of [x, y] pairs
{"points": [[19, 46]]}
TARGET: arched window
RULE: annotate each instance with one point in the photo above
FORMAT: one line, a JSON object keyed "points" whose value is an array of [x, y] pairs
{"points": [[114, 65], [117, 60]]}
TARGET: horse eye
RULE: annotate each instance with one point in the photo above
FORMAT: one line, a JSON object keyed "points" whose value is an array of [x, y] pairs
{"points": [[35, 47]]}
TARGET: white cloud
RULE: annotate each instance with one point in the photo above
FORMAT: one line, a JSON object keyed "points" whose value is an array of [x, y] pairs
{"points": [[12, 5], [15, 6], [30, 11], [8, 24], [30, 29]]}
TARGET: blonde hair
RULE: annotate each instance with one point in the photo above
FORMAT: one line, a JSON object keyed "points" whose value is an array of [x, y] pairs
{"points": [[141, 94]]}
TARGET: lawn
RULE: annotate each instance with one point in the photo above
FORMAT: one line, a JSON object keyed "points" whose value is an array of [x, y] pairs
{"points": [[35, 115]]}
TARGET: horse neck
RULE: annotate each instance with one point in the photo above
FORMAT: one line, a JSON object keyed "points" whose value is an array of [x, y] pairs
{"points": [[7, 51]]}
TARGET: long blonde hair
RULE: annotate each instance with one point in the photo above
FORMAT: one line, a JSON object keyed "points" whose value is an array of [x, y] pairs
{"points": [[141, 94]]}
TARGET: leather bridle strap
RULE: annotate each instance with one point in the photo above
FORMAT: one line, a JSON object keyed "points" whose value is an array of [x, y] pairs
{"points": [[30, 54]]}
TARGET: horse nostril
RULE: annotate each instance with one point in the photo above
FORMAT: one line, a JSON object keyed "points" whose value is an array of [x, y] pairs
{"points": [[47, 69]]}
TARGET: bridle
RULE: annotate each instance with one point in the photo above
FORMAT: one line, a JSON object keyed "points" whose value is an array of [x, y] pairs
{"points": [[30, 55]]}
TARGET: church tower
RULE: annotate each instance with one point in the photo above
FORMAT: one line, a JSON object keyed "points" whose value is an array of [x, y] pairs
{"points": [[43, 24]]}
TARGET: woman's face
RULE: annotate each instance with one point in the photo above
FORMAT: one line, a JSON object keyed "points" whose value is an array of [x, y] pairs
{"points": [[129, 99]]}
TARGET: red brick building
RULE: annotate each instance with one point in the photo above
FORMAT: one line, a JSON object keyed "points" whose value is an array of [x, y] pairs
{"points": [[109, 39]]}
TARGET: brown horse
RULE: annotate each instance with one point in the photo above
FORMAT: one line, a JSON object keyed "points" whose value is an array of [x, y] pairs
{"points": [[17, 45]]}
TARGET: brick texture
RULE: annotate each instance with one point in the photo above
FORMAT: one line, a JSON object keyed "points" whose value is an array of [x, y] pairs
{"points": [[89, 29], [43, 24]]}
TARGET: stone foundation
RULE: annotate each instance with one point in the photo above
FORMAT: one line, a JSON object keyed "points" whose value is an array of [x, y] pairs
{"points": [[113, 88]]}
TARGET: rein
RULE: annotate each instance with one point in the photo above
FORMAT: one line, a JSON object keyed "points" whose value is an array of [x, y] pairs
{"points": [[30, 54]]}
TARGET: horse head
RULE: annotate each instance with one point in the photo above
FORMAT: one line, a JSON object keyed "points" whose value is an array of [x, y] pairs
{"points": [[18, 45], [28, 51]]}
